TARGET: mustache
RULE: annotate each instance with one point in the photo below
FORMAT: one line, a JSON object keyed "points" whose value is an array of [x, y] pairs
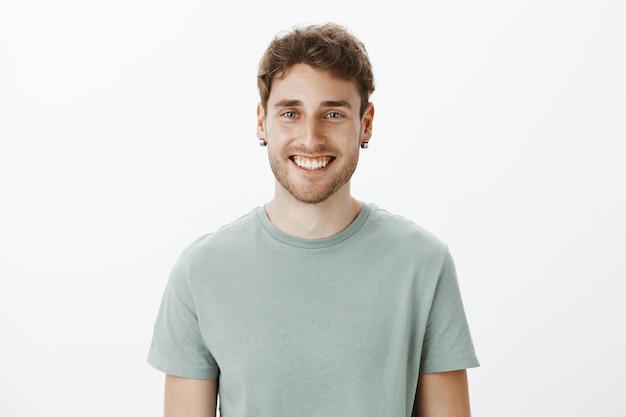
{"points": [[320, 149]]}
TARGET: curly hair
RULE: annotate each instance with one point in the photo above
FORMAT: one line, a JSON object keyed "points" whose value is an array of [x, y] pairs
{"points": [[329, 47]]}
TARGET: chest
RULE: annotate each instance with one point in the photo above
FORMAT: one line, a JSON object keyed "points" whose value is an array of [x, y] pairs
{"points": [[309, 318]]}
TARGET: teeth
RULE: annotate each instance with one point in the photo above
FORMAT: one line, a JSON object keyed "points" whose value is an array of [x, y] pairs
{"points": [[311, 164]]}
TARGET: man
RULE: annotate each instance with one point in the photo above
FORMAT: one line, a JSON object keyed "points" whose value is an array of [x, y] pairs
{"points": [[316, 304]]}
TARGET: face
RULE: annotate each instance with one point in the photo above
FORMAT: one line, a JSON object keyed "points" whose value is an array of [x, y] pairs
{"points": [[313, 131]]}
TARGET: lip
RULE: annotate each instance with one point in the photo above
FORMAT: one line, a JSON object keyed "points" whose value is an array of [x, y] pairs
{"points": [[312, 164]]}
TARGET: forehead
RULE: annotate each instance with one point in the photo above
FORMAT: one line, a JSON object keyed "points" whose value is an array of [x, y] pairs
{"points": [[312, 85]]}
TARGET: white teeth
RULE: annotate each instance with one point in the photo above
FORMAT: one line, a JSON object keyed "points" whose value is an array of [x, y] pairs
{"points": [[311, 164]]}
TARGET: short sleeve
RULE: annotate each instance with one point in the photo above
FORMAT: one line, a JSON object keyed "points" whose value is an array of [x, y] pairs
{"points": [[177, 345], [447, 344]]}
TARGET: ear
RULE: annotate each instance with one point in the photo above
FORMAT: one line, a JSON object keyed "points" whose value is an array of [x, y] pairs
{"points": [[367, 122], [260, 123]]}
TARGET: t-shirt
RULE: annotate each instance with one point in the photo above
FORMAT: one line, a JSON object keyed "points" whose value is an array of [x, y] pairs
{"points": [[340, 326]]}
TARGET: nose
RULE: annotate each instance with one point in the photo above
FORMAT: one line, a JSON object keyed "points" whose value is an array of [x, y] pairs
{"points": [[312, 133]]}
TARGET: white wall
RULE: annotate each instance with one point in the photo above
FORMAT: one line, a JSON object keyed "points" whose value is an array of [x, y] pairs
{"points": [[127, 130]]}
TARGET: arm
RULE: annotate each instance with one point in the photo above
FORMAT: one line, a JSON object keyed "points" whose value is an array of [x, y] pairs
{"points": [[186, 397], [442, 394]]}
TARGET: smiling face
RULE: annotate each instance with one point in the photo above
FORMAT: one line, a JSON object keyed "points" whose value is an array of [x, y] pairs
{"points": [[313, 132]]}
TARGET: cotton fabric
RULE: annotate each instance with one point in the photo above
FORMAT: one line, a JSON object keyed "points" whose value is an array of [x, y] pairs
{"points": [[340, 326]]}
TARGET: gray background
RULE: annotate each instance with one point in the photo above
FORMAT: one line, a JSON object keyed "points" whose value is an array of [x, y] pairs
{"points": [[127, 130]]}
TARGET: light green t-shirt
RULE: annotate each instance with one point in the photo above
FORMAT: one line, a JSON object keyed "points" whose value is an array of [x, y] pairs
{"points": [[340, 326]]}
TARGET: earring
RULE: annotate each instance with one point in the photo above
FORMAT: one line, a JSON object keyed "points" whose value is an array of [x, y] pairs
{"points": [[365, 144], [262, 142]]}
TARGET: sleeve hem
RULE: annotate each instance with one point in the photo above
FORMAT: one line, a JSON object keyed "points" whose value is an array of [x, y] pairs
{"points": [[211, 372], [450, 366]]}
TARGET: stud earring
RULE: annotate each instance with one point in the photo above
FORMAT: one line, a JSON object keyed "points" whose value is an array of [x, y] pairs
{"points": [[262, 142], [365, 144]]}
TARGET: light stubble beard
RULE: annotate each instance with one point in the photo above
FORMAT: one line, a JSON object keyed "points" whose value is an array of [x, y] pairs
{"points": [[310, 194]]}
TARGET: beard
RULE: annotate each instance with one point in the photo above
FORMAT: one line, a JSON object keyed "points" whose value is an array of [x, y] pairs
{"points": [[312, 190]]}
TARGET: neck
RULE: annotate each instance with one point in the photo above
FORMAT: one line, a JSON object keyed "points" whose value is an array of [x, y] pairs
{"points": [[313, 221]]}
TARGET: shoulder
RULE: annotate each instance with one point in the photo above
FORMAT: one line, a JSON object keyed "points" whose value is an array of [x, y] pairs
{"points": [[402, 234], [400, 227], [228, 237]]}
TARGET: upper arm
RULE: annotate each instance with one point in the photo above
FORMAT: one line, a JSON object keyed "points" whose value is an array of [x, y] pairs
{"points": [[187, 397], [442, 394]]}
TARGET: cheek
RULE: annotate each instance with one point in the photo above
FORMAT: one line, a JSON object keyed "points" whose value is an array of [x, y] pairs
{"points": [[279, 130]]}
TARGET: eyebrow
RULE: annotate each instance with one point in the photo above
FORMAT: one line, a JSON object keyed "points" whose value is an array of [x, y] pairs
{"points": [[339, 103], [288, 103], [298, 103]]}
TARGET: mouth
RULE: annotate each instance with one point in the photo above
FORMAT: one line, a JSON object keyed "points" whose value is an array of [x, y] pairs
{"points": [[312, 164]]}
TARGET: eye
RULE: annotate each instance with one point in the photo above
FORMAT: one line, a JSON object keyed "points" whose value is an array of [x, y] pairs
{"points": [[289, 114], [334, 115]]}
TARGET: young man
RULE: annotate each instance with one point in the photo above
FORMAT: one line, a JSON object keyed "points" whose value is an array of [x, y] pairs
{"points": [[316, 304]]}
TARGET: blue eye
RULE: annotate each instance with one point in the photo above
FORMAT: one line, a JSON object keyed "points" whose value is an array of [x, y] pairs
{"points": [[333, 115], [290, 114]]}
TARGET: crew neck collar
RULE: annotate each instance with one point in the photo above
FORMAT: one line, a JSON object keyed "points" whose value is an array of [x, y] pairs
{"points": [[345, 234]]}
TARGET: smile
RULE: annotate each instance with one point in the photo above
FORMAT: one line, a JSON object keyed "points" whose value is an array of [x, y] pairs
{"points": [[312, 164]]}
